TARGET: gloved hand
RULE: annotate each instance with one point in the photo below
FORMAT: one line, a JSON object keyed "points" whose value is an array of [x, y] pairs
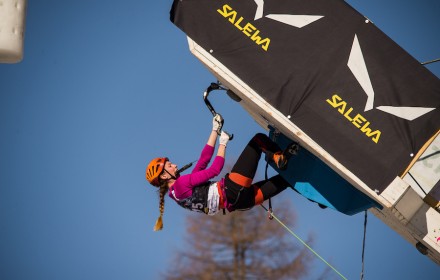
{"points": [[217, 123], [224, 138]]}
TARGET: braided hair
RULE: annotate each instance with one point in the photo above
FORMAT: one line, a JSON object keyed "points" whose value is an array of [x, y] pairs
{"points": [[163, 189]]}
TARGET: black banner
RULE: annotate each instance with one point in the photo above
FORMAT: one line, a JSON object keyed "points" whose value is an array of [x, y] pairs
{"points": [[346, 84]]}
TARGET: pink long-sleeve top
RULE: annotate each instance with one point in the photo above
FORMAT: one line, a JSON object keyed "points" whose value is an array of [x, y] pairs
{"points": [[200, 174]]}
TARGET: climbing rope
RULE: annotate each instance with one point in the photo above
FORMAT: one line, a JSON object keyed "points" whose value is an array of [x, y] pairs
{"points": [[421, 159], [269, 212], [414, 179], [363, 244], [304, 243], [272, 216]]}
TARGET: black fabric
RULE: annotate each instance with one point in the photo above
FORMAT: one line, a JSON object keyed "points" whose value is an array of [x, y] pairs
{"points": [[198, 201], [249, 158], [272, 186], [303, 73], [240, 197], [244, 198], [246, 165]]}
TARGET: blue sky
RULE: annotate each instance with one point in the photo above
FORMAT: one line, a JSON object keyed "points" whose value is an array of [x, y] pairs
{"points": [[107, 85]]}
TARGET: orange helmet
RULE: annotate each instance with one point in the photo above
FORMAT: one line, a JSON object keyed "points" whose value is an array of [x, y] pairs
{"points": [[154, 169]]}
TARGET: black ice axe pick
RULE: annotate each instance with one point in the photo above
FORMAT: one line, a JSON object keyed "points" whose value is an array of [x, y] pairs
{"points": [[214, 86]]}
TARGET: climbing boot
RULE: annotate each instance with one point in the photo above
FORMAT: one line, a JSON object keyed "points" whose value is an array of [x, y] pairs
{"points": [[281, 158]]}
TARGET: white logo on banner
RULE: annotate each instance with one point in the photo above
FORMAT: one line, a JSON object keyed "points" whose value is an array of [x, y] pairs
{"points": [[358, 67], [356, 63], [298, 21]]}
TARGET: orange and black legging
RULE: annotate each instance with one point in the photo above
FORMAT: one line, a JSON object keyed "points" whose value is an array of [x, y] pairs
{"points": [[240, 191]]}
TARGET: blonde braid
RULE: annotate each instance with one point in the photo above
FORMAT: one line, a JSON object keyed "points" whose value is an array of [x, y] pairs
{"points": [[163, 189]]}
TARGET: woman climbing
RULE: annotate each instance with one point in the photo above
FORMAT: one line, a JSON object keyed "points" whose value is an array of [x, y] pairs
{"points": [[236, 191]]}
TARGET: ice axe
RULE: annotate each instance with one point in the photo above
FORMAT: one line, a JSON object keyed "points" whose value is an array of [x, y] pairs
{"points": [[214, 86]]}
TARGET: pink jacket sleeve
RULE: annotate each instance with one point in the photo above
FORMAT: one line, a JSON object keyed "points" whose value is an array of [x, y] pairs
{"points": [[201, 174]]}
